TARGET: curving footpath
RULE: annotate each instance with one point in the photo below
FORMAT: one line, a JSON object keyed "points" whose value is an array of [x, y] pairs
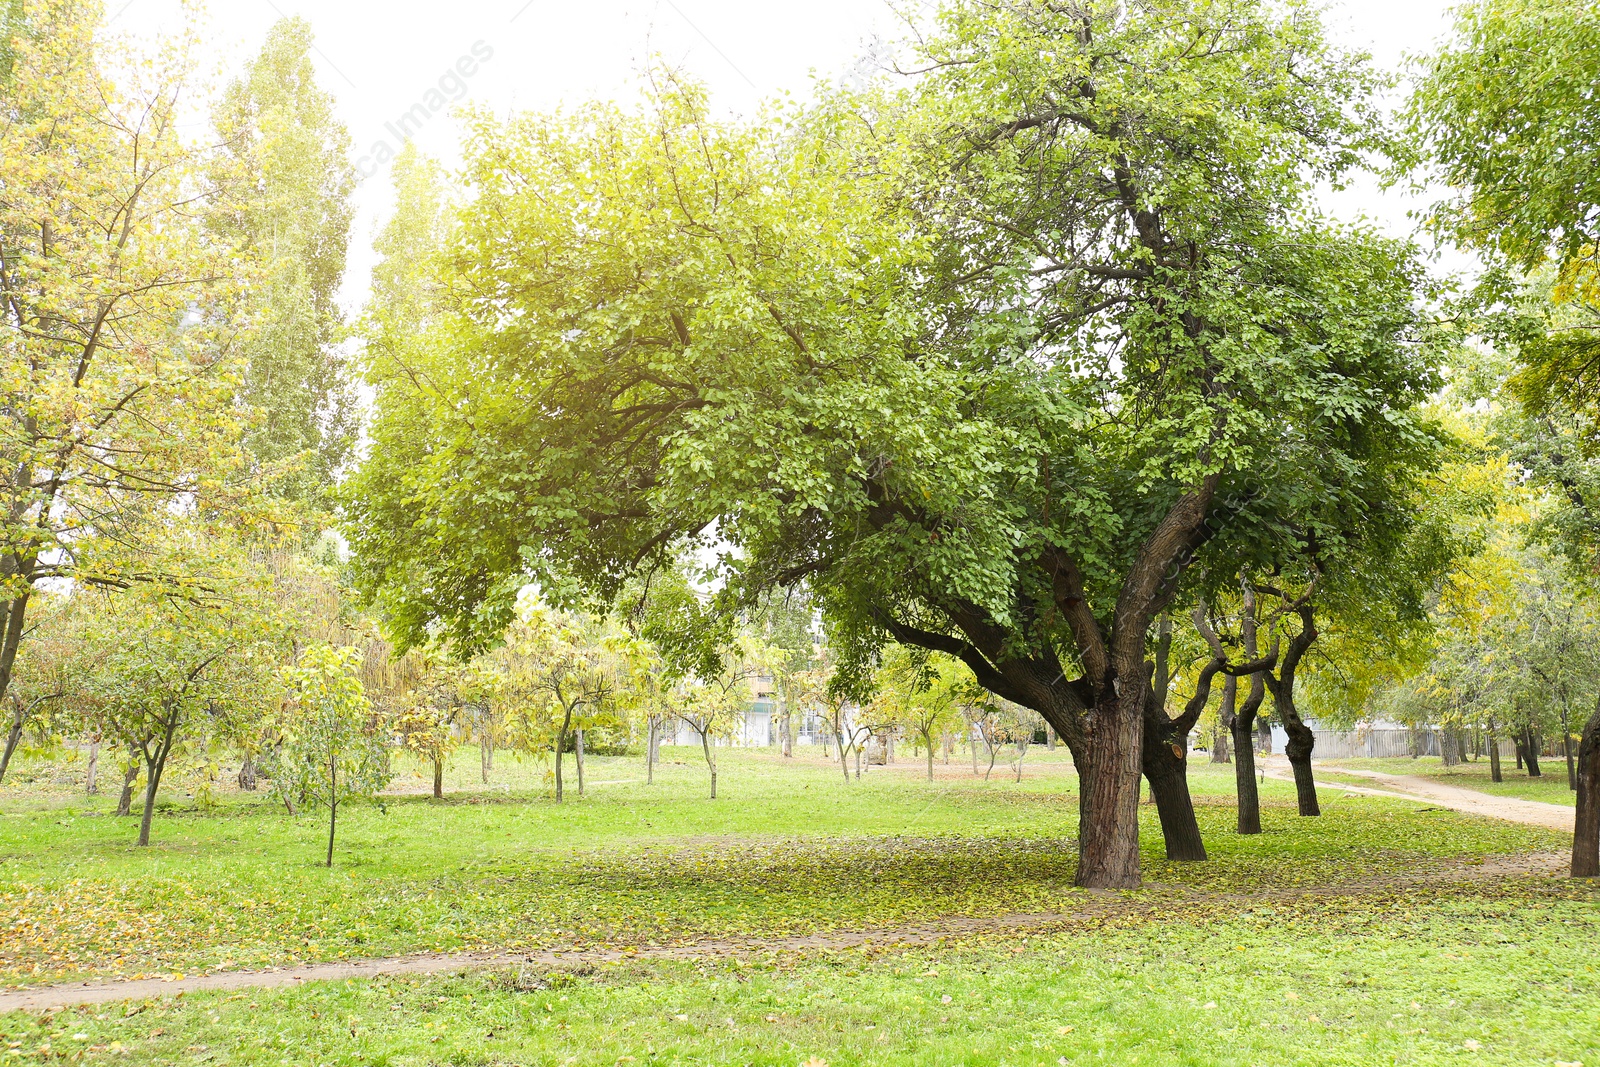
{"points": [[1454, 797]]}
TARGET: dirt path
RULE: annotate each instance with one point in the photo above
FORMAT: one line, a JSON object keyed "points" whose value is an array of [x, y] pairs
{"points": [[1094, 906], [1457, 798]]}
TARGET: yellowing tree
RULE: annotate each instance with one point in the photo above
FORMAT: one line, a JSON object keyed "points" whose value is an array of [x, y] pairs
{"points": [[117, 338]]}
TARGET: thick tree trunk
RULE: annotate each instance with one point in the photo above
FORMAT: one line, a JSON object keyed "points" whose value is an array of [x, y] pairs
{"points": [[1301, 742], [1586, 829], [1244, 774], [1163, 757], [1225, 717], [1530, 752], [1447, 747], [1167, 772], [1109, 771], [249, 775]]}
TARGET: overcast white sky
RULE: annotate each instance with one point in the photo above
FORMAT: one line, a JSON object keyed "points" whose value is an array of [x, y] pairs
{"points": [[380, 59]]}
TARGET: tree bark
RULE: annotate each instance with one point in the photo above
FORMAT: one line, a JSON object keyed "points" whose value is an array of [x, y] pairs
{"points": [[561, 745], [16, 611], [650, 751], [711, 762], [786, 721], [438, 778], [130, 774], [578, 756], [1586, 827], [1494, 753], [92, 783], [333, 805], [1302, 740], [13, 737], [248, 774], [928, 737], [1109, 771], [1530, 752], [155, 766], [1164, 753], [1566, 741]]}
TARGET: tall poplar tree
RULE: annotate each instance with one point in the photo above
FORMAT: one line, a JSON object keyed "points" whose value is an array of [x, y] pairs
{"points": [[284, 181]]}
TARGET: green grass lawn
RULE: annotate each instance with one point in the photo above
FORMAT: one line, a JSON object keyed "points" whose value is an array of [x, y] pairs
{"points": [[1550, 786], [1311, 942]]}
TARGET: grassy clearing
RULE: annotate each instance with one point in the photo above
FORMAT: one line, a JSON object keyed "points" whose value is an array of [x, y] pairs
{"points": [[1550, 787], [1318, 942], [1448, 979], [785, 850]]}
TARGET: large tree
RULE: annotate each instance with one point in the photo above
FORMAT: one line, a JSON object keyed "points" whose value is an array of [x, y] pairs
{"points": [[117, 313], [1506, 115], [283, 184], [988, 363]]}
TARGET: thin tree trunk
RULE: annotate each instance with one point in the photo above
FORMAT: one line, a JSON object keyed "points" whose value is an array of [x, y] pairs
{"points": [[1049, 738], [130, 775], [1022, 750], [438, 777], [1494, 753], [650, 752], [92, 785], [786, 724], [155, 767], [928, 737], [16, 611], [1566, 741], [333, 804], [844, 754], [13, 736], [1586, 828], [561, 745], [972, 746], [578, 753], [485, 754], [711, 763]]}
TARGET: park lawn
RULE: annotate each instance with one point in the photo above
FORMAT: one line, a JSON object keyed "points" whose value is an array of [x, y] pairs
{"points": [[1491, 975], [788, 848], [1550, 787]]}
